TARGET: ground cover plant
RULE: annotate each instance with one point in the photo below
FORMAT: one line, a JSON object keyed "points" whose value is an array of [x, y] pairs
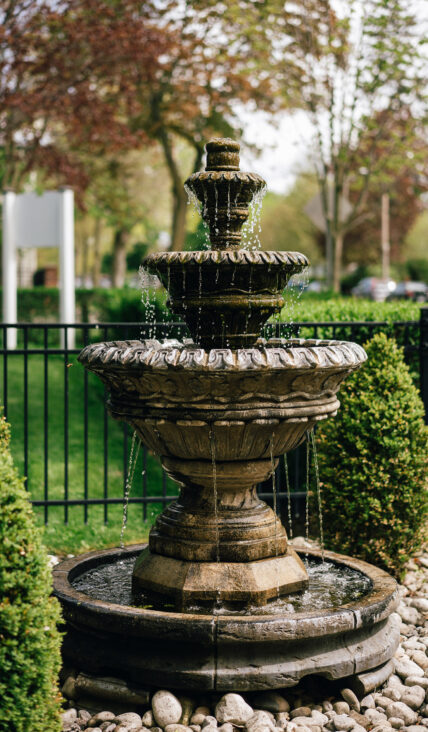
{"points": [[29, 639], [373, 463]]}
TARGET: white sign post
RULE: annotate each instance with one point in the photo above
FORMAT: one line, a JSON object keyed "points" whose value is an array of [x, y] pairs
{"points": [[30, 220]]}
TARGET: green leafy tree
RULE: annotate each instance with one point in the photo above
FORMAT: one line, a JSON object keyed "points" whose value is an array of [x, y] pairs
{"points": [[373, 463], [29, 639]]}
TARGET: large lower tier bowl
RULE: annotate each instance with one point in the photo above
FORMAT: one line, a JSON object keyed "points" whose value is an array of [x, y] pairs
{"points": [[224, 652]]}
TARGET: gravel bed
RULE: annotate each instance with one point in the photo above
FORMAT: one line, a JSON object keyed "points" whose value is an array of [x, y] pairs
{"points": [[401, 704]]}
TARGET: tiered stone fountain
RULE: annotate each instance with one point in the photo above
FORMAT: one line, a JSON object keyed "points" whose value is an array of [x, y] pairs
{"points": [[219, 410]]}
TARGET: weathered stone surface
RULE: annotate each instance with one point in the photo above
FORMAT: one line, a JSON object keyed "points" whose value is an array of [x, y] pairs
{"points": [[177, 728], [367, 702], [166, 708]]}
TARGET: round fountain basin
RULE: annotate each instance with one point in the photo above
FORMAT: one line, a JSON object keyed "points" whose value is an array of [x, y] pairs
{"points": [[224, 649]]}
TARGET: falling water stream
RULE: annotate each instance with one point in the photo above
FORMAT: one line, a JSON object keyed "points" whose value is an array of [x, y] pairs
{"points": [[318, 489], [132, 462], [287, 487]]}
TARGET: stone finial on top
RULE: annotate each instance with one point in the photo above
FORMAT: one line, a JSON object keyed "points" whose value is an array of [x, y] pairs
{"points": [[222, 154]]}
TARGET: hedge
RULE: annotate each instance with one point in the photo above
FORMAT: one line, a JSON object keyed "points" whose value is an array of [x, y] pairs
{"points": [[373, 463], [29, 639]]}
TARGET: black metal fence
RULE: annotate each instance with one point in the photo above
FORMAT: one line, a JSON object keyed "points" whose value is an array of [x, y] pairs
{"points": [[71, 452]]}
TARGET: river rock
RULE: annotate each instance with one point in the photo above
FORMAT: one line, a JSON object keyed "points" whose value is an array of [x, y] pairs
{"points": [[413, 696], [306, 721], [399, 709], [343, 722], [405, 667], [131, 719], [301, 712], [341, 707], [177, 728], [209, 720], [271, 701], [396, 722], [195, 727], [226, 727], [68, 718], [100, 717], [384, 701], [166, 708], [416, 728], [233, 708], [367, 702], [409, 614], [110, 726], [417, 681], [148, 720], [420, 658], [260, 721], [420, 603], [349, 696], [199, 715]]}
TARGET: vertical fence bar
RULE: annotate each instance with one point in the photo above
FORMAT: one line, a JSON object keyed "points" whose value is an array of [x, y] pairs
{"points": [[85, 433], [105, 438], [423, 358], [5, 404], [164, 501], [65, 424], [26, 406], [45, 424]]}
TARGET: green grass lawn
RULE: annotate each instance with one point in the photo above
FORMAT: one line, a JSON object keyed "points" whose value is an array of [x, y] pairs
{"points": [[76, 535]]}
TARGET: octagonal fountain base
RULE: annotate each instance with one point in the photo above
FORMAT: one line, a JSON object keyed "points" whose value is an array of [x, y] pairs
{"points": [[206, 651]]}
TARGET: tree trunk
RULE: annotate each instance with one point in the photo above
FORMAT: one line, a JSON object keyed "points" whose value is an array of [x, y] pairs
{"points": [[119, 257], [178, 227], [178, 233], [96, 268], [338, 251]]}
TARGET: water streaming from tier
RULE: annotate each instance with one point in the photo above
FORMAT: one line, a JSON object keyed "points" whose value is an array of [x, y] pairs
{"points": [[132, 462]]}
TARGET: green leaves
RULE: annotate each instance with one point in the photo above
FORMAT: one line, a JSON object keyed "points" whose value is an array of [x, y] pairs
{"points": [[29, 639], [373, 458]]}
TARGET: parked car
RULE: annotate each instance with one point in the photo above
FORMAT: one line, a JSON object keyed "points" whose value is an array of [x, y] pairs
{"points": [[416, 291], [374, 288]]}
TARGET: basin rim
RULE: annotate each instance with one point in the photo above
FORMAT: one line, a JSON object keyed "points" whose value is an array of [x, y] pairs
{"points": [[81, 609], [278, 354]]}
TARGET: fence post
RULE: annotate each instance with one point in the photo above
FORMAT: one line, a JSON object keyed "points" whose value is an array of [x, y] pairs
{"points": [[423, 358]]}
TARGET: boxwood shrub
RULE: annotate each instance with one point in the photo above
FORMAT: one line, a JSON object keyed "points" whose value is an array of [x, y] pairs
{"points": [[373, 463], [29, 639]]}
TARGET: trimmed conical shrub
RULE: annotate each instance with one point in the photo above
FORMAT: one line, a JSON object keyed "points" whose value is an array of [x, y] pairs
{"points": [[373, 463], [29, 639]]}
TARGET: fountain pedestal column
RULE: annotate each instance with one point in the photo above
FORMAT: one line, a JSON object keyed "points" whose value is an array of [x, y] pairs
{"points": [[219, 541]]}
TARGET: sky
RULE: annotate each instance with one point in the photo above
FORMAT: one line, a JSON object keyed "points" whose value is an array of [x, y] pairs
{"points": [[284, 148]]}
